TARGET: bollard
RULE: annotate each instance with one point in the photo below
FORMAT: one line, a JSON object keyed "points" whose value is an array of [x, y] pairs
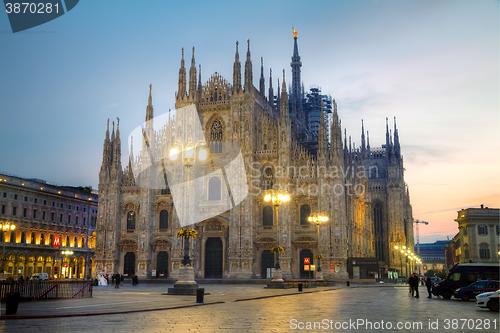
{"points": [[200, 292], [348, 283], [300, 286]]}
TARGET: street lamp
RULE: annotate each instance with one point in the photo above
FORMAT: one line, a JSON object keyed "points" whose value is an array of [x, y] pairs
{"points": [[186, 285], [318, 218], [277, 197], [5, 227], [188, 160]]}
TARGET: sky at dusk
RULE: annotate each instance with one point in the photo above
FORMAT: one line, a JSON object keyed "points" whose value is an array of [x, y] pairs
{"points": [[434, 65]]}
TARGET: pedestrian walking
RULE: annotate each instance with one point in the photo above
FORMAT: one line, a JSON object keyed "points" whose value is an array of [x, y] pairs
{"points": [[428, 284], [113, 279], [117, 279], [414, 285]]}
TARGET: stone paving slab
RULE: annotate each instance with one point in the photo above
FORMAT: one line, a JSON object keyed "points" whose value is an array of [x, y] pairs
{"points": [[275, 314]]}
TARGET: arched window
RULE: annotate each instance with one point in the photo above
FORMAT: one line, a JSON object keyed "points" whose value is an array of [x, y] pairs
{"points": [[12, 236], [267, 216], [51, 238], [23, 237], [305, 211], [268, 178], [216, 136], [32, 238], [75, 242], [83, 242], [131, 221], [163, 219], [214, 189], [67, 241], [42, 239], [379, 231]]}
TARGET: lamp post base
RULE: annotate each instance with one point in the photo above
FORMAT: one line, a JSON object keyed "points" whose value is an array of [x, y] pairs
{"points": [[319, 275], [277, 282], [186, 285]]}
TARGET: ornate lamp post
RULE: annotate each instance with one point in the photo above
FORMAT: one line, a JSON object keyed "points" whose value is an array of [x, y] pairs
{"points": [[5, 227], [186, 285], [277, 197], [318, 218]]}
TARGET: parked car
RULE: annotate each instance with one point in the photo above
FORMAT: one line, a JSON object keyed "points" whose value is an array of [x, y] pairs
{"points": [[39, 277], [463, 275], [488, 300], [476, 288]]}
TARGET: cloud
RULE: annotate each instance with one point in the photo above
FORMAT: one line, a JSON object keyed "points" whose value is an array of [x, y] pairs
{"points": [[113, 106]]}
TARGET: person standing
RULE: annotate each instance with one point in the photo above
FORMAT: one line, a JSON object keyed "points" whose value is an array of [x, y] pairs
{"points": [[428, 284], [117, 279]]}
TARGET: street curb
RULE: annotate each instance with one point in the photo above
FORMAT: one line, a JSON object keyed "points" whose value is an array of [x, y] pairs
{"points": [[106, 313]]}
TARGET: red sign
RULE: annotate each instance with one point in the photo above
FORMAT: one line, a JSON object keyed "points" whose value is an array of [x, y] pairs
{"points": [[306, 267], [56, 242], [332, 267], [306, 261], [65, 265]]}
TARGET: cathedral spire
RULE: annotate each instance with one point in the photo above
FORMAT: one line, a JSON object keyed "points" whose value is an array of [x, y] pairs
{"points": [[271, 92], [248, 70], [182, 79], [236, 71], [192, 78], [116, 168], [106, 158], [199, 81], [149, 108], [345, 139], [368, 140], [262, 82], [295, 64], [397, 147], [284, 98], [387, 142], [362, 136], [278, 99]]}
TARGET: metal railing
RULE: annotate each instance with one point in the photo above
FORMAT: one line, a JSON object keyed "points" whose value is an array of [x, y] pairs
{"points": [[35, 290]]}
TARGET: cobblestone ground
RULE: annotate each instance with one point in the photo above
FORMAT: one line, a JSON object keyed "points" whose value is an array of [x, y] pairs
{"points": [[370, 309]]}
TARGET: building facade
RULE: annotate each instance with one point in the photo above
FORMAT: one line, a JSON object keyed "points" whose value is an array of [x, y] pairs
{"points": [[432, 255], [287, 140], [46, 215], [478, 238]]}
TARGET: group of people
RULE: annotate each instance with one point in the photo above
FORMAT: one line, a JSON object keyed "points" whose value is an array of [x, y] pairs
{"points": [[414, 281], [116, 279]]}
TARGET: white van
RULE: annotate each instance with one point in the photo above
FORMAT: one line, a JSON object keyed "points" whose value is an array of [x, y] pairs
{"points": [[39, 277]]}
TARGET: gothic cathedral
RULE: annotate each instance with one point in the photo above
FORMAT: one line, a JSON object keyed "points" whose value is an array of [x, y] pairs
{"points": [[292, 140]]}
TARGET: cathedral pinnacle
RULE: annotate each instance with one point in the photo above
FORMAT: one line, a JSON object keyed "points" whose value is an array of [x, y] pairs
{"points": [[236, 71], [248, 70], [262, 83], [149, 107], [192, 78], [182, 79]]}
